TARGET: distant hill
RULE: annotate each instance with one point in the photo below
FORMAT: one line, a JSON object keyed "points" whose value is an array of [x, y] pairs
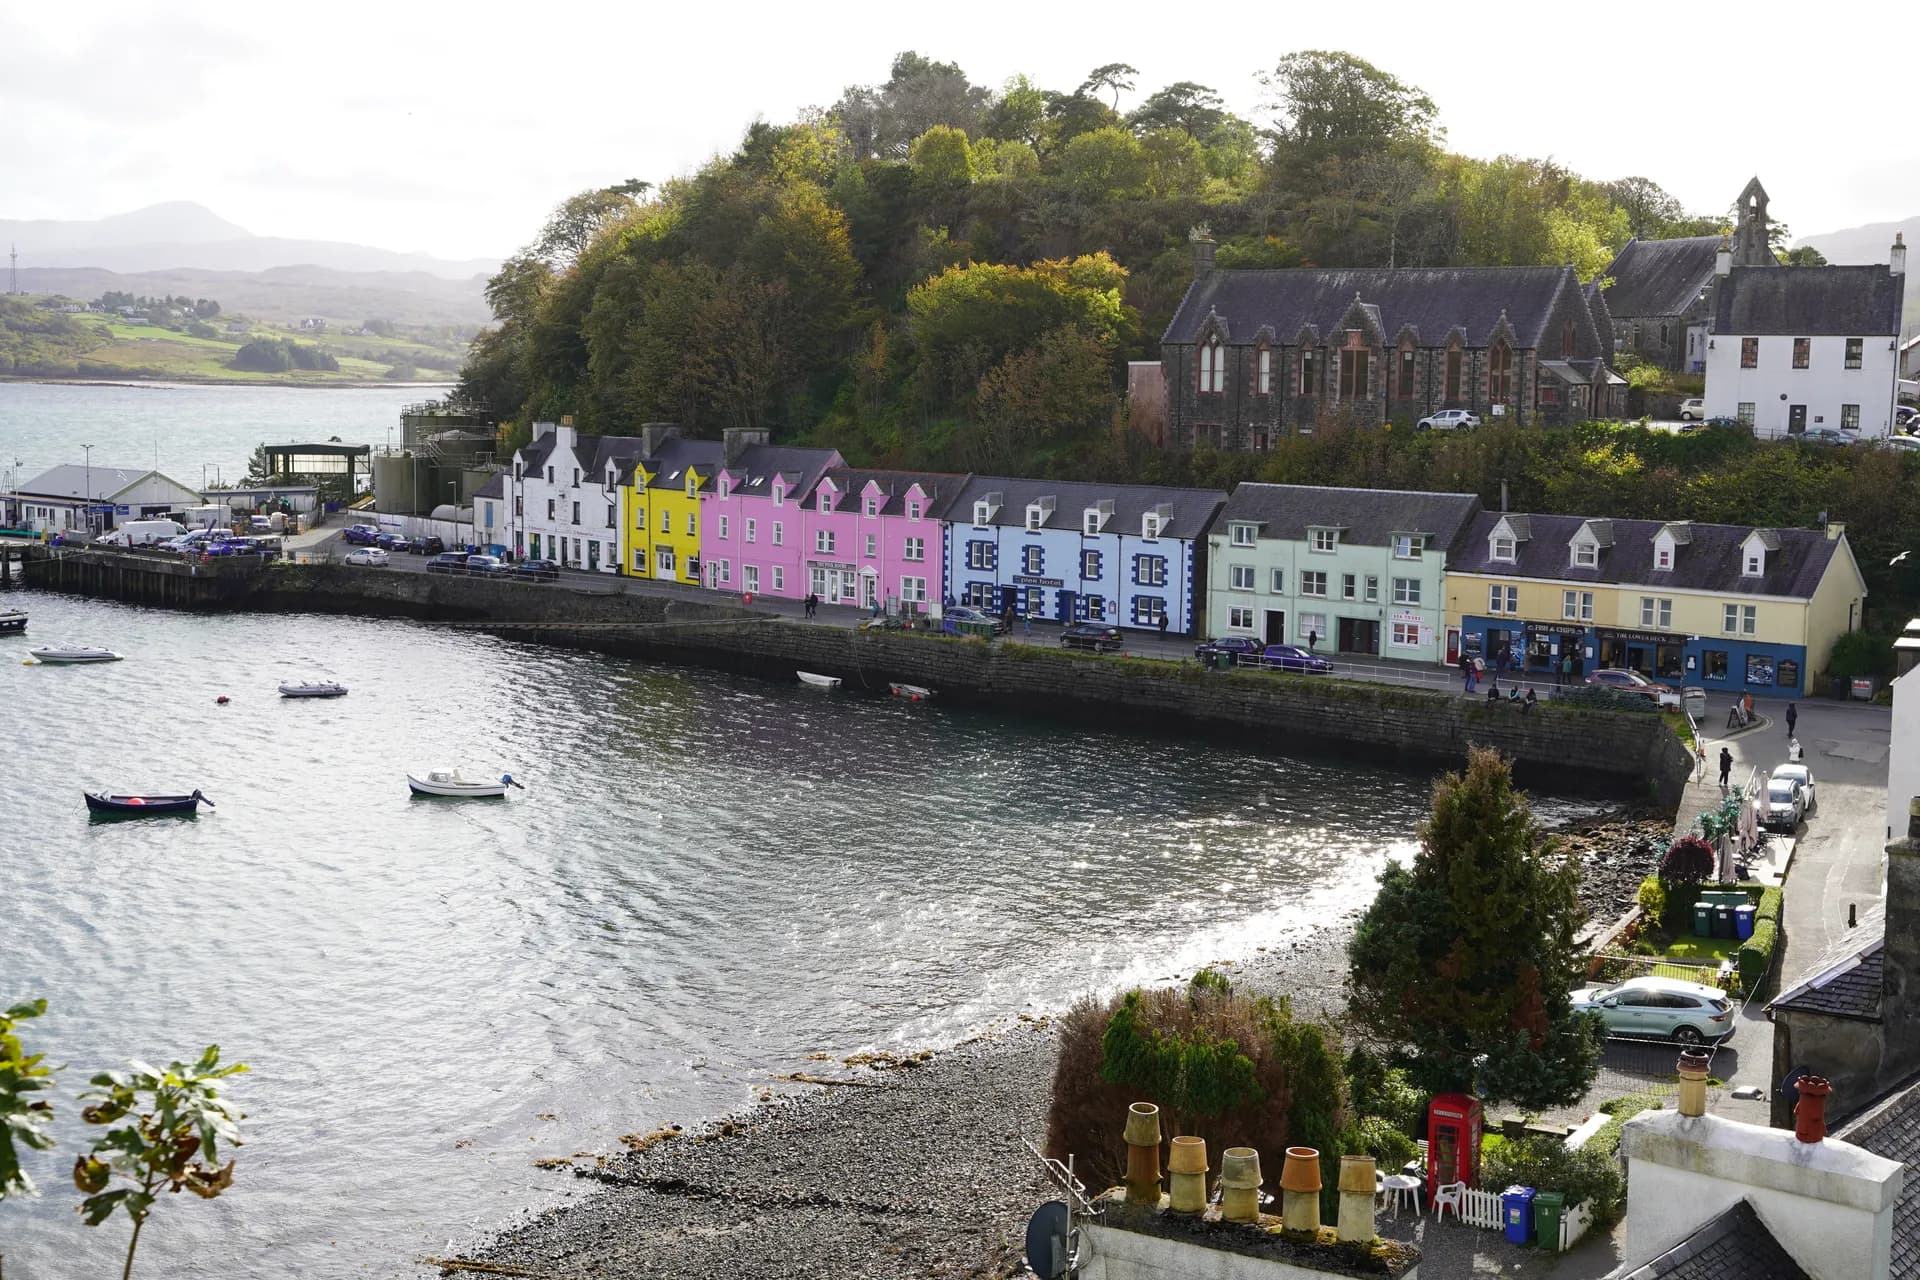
{"points": [[285, 294], [184, 235]]}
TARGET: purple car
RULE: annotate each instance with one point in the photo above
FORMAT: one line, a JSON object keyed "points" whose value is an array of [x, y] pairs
{"points": [[1243, 651], [1291, 657]]}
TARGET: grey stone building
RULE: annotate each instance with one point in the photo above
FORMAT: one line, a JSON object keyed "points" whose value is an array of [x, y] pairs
{"points": [[1252, 355], [1658, 296]]}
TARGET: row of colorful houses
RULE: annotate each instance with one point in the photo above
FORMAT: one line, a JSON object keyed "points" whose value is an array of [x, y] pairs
{"points": [[1419, 577]]}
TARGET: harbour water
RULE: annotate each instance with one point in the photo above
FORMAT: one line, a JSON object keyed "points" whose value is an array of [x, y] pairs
{"points": [[707, 879]]}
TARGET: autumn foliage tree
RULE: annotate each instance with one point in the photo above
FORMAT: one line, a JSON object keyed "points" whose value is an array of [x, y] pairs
{"points": [[1465, 961]]}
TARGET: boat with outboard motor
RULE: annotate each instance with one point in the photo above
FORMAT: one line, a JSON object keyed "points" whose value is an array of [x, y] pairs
{"points": [[451, 782], [64, 653], [316, 689]]}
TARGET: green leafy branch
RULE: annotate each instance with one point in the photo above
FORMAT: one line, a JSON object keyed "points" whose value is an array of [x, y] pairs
{"points": [[23, 1117]]}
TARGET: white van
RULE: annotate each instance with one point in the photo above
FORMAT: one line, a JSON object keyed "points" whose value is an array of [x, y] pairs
{"points": [[144, 533]]}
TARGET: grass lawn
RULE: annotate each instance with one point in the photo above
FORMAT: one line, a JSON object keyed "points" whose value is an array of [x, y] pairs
{"points": [[140, 350], [1702, 950]]}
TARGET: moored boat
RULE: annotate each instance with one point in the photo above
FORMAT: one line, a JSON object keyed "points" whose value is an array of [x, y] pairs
{"points": [[818, 681], [451, 782], [58, 653], [12, 621], [144, 806], [317, 689], [911, 692]]}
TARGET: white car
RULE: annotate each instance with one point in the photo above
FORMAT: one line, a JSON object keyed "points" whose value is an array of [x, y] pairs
{"points": [[1804, 776], [1448, 420], [1903, 444], [1692, 410], [367, 555]]}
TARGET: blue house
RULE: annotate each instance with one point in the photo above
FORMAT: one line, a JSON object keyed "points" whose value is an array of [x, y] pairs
{"points": [[1129, 555]]}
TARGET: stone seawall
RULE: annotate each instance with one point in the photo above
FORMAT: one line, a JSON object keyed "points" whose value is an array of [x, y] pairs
{"points": [[1567, 750]]}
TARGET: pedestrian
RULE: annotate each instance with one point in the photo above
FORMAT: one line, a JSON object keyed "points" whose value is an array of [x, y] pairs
{"points": [[1792, 717], [1466, 674], [1726, 767], [1313, 638], [1163, 624], [1566, 668], [1026, 621]]}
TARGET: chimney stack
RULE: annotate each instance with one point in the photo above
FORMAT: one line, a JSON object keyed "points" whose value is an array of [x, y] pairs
{"points": [[1897, 259], [1723, 260], [739, 439], [1143, 1155], [1203, 248], [654, 435], [1900, 959]]}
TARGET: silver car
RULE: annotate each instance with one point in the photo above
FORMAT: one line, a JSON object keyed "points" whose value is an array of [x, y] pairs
{"points": [[1663, 1008], [1783, 804], [1810, 801]]}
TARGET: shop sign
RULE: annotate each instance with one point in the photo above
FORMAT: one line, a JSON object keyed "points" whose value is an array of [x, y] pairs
{"points": [[1642, 637], [832, 564], [1023, 580]]}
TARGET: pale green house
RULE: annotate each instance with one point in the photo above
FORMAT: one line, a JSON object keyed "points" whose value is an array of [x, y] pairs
{"points": [[1351, 571]]}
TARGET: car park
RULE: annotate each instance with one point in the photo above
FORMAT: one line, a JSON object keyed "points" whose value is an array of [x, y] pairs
{"points": [[536, 570], [1633, 682], [1783, 804], [1693, 409], [1804, 776], [1097, 636], [1291, 657], [1448, 420], [1239, 650], [368, 556], [1660, 1008]]}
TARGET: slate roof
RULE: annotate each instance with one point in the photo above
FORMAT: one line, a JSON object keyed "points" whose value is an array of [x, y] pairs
{"points": [[1710, 562], [1845, 980], [535, 455], [1736, 1245], [1660, 277], [69, 480], [670, 463], [1193, 509], [1809, 301], [1892, 1130], [1433, 301], [940, 487], [495, 487], [1369, 517], [753, 471]]}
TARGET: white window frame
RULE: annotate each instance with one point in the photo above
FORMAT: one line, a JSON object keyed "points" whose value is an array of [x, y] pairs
{"points": [[1370, 589], [750, 527], [1244, 535], [720, 527], [870, 507], [779, 534], [1277, 582], [1756, 564], [779, 578], [1408, 546], [873, 546], [1406, 591], [750, 578], [823, 541], [1586, 555], [913, 590], [1240, 618], [1323, 541], [663, 561], [1035, 518], [1404, 634], [914, 549], [1313, 582], [1240, 577], [779, 494], [1504, 550], [1349, 586], [725, 488]]}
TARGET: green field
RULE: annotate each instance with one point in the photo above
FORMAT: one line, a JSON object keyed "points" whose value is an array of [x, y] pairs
{"points": [[149, 351]]}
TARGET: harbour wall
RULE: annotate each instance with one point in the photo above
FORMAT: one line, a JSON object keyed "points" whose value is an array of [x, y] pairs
{"points": [[1569, 750]]}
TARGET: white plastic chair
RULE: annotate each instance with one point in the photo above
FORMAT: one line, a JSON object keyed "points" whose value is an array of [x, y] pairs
{"points": [[1449, 1195]]}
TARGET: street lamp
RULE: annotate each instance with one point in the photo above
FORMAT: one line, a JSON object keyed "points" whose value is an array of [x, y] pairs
{"points": [[88, 492]]}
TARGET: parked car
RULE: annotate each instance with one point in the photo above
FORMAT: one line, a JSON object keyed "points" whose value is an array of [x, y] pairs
{"points": [[1291, 657], [360, 534], [1903, 444], [448, 562], [1725, 422], [1097, 636], [1826, 437], [1633, 682], [1693, 409], [487, 566], [427, 546], [1664, 1008], [967, 613], [1448, 420], [537, 570], [1905, 417], [1804, 776], [1783, 804], [1242, 651], [396, 542], [367, 555]]}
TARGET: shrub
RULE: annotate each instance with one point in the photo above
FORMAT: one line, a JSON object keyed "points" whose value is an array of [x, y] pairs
{"points": [[1771, 901], [1390, 1146], [1599, 697], [1585, 1176], [1757, 952], [1652, 897], [1689, 860]]}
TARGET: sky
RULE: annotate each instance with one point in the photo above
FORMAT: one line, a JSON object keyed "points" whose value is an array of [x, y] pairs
{"points": [[453, 130]]}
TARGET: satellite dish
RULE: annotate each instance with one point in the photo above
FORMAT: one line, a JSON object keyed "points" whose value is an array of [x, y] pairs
{"points": [[1047, 1241]]}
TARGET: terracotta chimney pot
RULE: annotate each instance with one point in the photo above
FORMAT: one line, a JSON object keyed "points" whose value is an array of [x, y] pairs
{"points": [[1693, 1082], [1187, 1167], [1810, 1113], [1300, 1188], [1143, 1154]]}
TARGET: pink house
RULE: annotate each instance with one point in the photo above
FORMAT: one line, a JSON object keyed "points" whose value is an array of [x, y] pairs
{"points": [[876, 536], [752, 517]]}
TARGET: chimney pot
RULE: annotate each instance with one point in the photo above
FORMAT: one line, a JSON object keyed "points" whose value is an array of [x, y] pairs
{"points": [[1356, 1199], [1187, 1170], [1693, 1082], [1143, 1154], [1240, 1184], [1300, 1190], [1810, 1113]]}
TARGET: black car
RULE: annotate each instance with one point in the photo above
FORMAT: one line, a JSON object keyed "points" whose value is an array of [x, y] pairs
{"points": [[1240, 650], [427, 546], [537, 570], [448, 562], [1092, 635]]}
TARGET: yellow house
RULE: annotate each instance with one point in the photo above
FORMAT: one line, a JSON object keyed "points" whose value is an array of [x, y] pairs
{"points": [[1725, 607], [660, 510]]}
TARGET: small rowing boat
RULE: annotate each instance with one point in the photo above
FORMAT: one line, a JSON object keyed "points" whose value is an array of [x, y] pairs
{"points": [[911, 692], [12, 621], [451, 782], [818, 681], [144, 806], [56, 653], [319, 689]]}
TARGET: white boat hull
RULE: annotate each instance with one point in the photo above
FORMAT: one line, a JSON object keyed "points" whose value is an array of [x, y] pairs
{"points": [[74, 655], [819, 681], [12, 622], [912, 692], [438, 783], [313, 691]]}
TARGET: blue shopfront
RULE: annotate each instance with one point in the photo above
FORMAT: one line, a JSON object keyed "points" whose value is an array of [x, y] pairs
{"points": [[1535, 650], [1532, 650]]}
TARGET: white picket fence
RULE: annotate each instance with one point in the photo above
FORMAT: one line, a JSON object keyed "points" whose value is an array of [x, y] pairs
{"points": [[1573, 1224], [1481, 1208]]}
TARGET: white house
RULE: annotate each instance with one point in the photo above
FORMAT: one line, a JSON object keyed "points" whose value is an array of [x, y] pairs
{"points": [[565, 509], [57, 500], [1806, 346]]}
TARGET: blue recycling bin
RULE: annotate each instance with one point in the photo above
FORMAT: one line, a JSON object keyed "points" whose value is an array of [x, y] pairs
{"points": [[1516, 1214], [1743, 921]]}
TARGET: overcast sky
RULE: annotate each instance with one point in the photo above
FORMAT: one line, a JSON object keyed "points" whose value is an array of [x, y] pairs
{"points": [[453, 129]]}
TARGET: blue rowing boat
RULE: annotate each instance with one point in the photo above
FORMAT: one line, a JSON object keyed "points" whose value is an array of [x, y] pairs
{"points": [[144, 806]]}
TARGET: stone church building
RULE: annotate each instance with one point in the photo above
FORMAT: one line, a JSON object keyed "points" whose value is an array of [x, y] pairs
{"points": [[1658, 297], [1255, 354]]}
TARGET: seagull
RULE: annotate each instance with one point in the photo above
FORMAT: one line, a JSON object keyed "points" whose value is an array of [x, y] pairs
{"points": [[1897, 559]]}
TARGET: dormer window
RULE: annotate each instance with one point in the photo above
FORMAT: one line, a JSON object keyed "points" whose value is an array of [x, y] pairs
{"points": [[693, 484], [1325, 540], [1035, 517], [1150, 526], [1091, 521], [982, 513], [1213, 366], [1503, 550], [726, 486], [1408, 546], [913, 509], [1662, 556], [779, 494], [1756, 563], [1244, 535], [1586, 555], [823, 501], [872, 507]]}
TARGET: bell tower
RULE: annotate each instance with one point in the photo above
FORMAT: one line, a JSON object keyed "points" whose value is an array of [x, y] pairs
{"points": [[1750, 228]]}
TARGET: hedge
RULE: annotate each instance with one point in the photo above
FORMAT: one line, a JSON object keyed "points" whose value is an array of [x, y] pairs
{"points": [[1771, 901], [1757, 952]]}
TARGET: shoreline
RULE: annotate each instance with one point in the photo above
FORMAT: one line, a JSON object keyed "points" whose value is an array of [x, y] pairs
{"points": [[166, 383], [915, 1167]]}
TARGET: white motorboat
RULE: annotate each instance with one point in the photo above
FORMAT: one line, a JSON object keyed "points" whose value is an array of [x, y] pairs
{"points": [[818, 681], [911, 692], [451, 782], [72, 653], [318, 689], [12, 621]]}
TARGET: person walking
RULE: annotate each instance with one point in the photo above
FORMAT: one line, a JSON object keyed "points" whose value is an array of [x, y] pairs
{"points": [[1163, 624], [1792, 718], [1026, 621], [1466, 673], [1566, 668], [813, 604], [1726, 767], [1313, 638]]}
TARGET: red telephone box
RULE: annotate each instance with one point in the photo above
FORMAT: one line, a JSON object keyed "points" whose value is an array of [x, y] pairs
{"points": [[1453, 1141]]}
